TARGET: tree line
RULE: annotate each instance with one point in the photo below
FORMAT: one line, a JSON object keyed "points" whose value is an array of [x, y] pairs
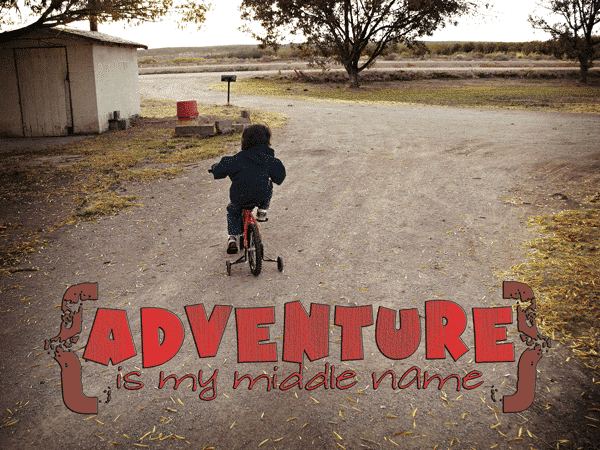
{"points": [[175, 55], [546, 48]]}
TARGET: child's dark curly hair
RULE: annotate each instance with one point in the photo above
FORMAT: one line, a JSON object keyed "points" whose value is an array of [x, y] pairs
{"points": [[256, 135]]}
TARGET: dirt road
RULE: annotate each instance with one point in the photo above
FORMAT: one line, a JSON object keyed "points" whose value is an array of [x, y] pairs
{"points": [[384, 206]]}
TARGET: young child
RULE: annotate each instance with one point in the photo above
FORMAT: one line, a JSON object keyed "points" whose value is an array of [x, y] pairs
{"points": [[252, 172]]}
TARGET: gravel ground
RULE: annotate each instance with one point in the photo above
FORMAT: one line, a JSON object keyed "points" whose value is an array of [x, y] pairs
{"points": [[384, 206]]}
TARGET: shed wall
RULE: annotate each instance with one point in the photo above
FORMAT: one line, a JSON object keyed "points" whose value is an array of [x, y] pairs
{"points": [[11, 124], [83, 91], [117, 86]]}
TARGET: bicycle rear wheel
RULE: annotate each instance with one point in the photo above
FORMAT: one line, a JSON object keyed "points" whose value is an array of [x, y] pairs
{"points": [[254, 249]]}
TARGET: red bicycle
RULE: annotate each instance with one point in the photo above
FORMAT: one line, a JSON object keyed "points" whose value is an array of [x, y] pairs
{"points": [[252, 245]]}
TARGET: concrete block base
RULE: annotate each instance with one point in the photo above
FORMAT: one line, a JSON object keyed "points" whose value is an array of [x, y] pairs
{"points": [[224, 126], [195, 130], [187, 121], [117, 124]]}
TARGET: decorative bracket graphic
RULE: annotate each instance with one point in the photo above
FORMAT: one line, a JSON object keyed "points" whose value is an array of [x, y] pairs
{"points": [[70, 327], [526, 371]]}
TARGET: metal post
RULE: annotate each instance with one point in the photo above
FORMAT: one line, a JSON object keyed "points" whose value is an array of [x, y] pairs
{"points": [[229, 79]]}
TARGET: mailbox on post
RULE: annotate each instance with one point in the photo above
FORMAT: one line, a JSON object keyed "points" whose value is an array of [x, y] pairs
{"points": [[229, 79]]}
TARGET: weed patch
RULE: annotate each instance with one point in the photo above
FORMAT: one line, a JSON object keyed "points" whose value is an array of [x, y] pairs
{"points": [[15, 253], [563, 266], [104, 204]]}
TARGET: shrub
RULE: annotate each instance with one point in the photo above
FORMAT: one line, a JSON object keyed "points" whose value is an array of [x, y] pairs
{"points": [[469, 47], [500, 57], [245, 53], [531, 74], [503, 47], [532, 47], [400, 49], [489, 47], [419, 49], [186, 60], [462, 57], [504, 74], [147, 61], [442, 75], [443, 48], [289, 53], [546, 74]]}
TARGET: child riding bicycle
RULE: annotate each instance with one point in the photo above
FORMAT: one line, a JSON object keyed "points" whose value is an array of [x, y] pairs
{"points": [[252, 172]]}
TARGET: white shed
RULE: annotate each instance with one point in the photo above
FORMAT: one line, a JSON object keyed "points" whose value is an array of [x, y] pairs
{"points": [[59, 81]]}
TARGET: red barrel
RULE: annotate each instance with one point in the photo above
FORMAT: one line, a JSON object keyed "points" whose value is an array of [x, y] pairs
{"points": [[187, 109]]}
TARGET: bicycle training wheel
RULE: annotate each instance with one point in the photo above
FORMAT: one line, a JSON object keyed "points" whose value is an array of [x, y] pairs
{"points": [[255, 250], [242, 240]]}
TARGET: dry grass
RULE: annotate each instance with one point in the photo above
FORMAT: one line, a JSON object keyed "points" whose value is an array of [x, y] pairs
{"points": [[13, 254], [450, 89], [105, 203], [563, 267]]}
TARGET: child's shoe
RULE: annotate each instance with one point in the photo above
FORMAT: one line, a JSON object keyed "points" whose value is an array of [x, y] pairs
{"points": [[232, 247], [261, 215]]}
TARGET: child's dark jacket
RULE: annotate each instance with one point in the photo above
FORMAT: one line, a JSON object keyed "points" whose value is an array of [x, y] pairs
{"points": [[252, 172]]}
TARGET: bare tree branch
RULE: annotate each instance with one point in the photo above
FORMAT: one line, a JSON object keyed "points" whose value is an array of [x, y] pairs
{"points": [[44, 14]]}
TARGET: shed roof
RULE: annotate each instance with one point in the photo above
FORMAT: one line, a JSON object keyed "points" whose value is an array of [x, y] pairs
{"points": [[48, 37]]}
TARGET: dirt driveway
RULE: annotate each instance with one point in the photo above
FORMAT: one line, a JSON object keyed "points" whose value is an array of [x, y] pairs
{"points": [[387, 206]]}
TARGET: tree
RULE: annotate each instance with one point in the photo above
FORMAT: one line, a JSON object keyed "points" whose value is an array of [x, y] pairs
{"points": [[346, 30], [50, 13], [573, 31]]}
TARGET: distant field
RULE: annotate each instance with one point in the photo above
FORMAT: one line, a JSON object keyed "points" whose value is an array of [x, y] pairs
{"points": [[215, 49], [400, 69], [496, 51]]}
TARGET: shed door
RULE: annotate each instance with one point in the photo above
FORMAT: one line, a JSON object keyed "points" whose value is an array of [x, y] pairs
{"points": [[45, 91]]}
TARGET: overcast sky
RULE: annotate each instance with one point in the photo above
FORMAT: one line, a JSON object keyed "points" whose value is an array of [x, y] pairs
{"points": [[509, 23]]}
